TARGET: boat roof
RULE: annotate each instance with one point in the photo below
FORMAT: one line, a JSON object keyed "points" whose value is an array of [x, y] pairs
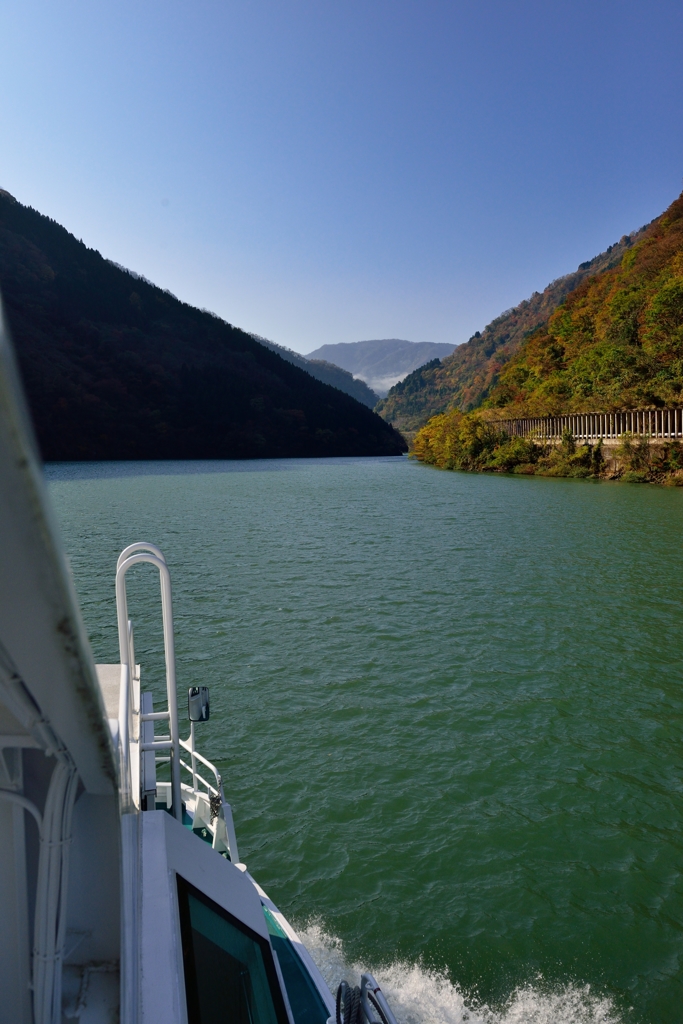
{"points": [[48, 682]]}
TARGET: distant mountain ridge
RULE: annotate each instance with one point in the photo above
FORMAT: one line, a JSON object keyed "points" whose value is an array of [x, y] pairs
{"points": [[383, 362], [464, 379], [117, 368], [326, 372]]}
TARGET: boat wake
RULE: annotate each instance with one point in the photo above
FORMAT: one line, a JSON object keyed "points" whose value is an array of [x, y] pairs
{"points": [[418, 995]]}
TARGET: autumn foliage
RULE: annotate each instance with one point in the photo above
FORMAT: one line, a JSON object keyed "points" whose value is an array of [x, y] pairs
{"points": [[464, 379], [469, 441], [615, 343]]}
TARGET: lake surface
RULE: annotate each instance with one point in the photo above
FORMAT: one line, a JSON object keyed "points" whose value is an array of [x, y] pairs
{"points": [[447, 708]]}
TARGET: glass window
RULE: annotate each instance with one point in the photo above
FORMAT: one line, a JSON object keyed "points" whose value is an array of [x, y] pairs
{"points": [[305, 1001], [230, 977]]}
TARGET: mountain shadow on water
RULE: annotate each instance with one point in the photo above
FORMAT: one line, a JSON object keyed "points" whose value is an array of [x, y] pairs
{"points": [[117, 368]]}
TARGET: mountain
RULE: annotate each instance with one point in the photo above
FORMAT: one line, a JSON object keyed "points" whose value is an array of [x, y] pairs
{"points": [[328, 373], [381, 363], [116, 368], [617, 340], [464, 379]]}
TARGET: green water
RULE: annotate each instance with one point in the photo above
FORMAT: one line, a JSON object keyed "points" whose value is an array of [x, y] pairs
{"points": [[447, 708]]}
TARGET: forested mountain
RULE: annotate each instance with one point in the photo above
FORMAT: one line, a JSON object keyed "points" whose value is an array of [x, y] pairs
{"points": [[116, 368], [328, 373], [383, 362], [615, 343], [617, 340], [465, 378]]}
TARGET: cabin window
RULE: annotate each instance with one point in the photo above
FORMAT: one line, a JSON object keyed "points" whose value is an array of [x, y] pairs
{"points": [[305, 1001], [230, 976]]}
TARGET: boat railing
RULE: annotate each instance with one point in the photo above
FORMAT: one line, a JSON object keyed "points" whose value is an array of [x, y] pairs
{"points": [[192, 769], [140, 749], [220, 811], [129, 699]]}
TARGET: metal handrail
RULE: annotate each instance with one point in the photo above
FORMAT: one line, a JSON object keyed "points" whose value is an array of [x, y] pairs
{"points": [[135, 554], [140, 545], [190, 749], [196, 777], [189, 746], [374, 1002], [216, 790], [130, 704], [124, 737]]}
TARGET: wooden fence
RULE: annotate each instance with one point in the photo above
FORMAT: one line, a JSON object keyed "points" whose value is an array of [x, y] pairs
{"points": [[664, 423]]}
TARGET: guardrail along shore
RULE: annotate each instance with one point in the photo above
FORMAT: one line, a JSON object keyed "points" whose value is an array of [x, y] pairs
{"points": [[590, 426]]}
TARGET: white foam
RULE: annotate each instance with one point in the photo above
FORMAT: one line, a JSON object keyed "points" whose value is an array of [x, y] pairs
{"points": [[418, 995]]}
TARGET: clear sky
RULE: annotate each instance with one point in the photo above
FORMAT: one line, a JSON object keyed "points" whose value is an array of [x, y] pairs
{"points": [[333, 170]]}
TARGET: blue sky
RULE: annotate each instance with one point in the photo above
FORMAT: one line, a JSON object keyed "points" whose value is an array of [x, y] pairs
{"points": [[331, 171]]}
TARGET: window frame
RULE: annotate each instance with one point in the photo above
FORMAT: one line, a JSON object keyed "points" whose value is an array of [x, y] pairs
{"points": [[184, 890]]}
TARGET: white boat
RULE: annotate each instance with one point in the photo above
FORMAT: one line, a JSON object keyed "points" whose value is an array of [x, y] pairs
{"points": [[122, 896]]}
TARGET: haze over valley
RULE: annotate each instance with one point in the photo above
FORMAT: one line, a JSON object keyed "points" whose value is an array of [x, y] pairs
{"points": [[382, 363]]}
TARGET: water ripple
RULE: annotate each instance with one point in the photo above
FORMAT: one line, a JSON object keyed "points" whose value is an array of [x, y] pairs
{"points": [[448, 709]]}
